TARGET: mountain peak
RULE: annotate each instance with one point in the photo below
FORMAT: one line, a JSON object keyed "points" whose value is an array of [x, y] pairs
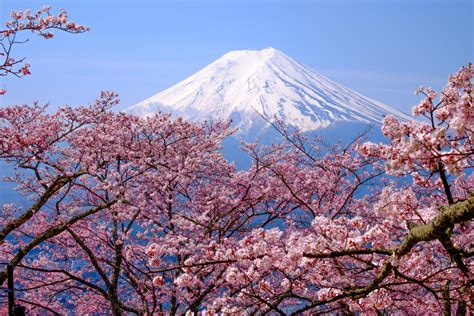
{"points": [[263, 53], [244, 84]]}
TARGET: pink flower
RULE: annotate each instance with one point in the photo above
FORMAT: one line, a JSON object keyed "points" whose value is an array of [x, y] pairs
{"points": [[158, 281]]}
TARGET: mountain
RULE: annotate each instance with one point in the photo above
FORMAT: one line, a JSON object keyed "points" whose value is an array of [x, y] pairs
{"points": [[243, 85]]}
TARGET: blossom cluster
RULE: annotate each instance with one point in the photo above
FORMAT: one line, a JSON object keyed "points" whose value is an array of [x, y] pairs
{"points": [[443, 140], [42, 23]]}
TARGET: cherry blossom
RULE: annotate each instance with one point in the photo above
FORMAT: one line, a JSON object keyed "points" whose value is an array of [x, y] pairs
{"points": [[42, 23]]}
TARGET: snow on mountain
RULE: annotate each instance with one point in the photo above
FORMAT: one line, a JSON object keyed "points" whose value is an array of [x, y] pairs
{"points": [[242, 85]]}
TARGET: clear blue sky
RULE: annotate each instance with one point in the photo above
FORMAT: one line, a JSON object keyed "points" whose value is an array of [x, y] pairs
{"points": [[384, 49]]}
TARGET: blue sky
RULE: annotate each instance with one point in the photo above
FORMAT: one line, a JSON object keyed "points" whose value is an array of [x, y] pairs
{"points": [[383, 49]]}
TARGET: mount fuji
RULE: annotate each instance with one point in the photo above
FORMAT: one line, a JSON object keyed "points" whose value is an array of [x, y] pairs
{"points": [[245, 85]]}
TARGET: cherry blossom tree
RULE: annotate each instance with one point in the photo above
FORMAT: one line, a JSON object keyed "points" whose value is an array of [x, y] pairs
{"points": [[99, 264], [400, 245], [184, 222], [42, 23]]}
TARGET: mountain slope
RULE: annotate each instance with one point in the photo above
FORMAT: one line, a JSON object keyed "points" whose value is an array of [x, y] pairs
{"points": [[243, 84]]}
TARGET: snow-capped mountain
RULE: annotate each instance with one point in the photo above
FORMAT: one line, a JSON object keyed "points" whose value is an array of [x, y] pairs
{"points": [[243, 85]]}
